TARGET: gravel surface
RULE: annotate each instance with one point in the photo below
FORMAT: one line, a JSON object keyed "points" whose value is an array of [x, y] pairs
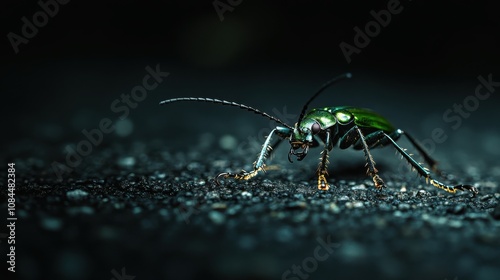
{"points": [[152, 211]]}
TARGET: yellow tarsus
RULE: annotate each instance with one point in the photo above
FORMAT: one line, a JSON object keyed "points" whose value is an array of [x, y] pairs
{"points": [[442, 186], [322, 183]]}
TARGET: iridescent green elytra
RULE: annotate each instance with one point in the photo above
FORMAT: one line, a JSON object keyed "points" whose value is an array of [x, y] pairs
{"points": [[345, 126]]}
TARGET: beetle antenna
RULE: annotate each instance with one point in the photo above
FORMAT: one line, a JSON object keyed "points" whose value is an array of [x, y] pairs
{"points": [[229, 103], [323, 87]]}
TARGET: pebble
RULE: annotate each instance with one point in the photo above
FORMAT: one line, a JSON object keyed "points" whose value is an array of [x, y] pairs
{"points": [[246, 194], [486, 197], [137, 210], [284, 234], [404, 206], [124, 128], [398, 213], [352, 251], [76, 194], [298, 196], [233, 209], [343, 198], [475, 216], [194, 166], [296, 205], [455, 223], [52, 224], [212, 195], [359, 188], [421, 193], [201, 182], [458, 209], [126, 162], [385, 207], [217, 217], [228, 142], [354, 204], [334, 208], [163, 212], [219, 206]]}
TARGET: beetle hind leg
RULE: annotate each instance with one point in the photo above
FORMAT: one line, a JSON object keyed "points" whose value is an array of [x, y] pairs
{"points": [[452, 189], [426, 174], [428, 159]]}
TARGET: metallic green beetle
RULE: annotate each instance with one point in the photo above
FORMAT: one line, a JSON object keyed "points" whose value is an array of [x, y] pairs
{"points": [[346, 126]]}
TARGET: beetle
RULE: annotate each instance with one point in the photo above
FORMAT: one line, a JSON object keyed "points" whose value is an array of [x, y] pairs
{"points": [[345, 126]]}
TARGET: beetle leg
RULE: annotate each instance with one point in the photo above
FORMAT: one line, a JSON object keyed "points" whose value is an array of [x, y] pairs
{"points": [[258, 165], [428, 159], [354, 137], [373, 140], [370, 163], [426, 174], [322, 168]]}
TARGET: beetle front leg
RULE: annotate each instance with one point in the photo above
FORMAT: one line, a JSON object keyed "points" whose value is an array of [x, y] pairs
{"points": [[322, 168], [258, 165]]}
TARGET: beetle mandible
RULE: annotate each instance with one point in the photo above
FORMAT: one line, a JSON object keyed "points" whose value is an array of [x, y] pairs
{"points": [[347, 126]]}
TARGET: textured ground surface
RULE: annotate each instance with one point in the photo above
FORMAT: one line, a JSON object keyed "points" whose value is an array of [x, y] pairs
{"points": [[154, 211]]}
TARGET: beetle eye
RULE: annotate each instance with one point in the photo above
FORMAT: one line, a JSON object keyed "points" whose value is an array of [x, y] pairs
{"points": [[316, 128]]}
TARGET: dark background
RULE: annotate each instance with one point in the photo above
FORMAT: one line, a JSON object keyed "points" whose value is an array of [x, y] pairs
{"points": [[266, 54], [426, 59]]}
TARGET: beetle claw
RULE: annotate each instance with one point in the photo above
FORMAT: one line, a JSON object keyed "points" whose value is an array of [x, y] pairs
{"points": [[216, 179], [379, 183], [470, 188], [322, 183]]}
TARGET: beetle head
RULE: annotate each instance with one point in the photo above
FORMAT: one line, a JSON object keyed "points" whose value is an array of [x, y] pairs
{"points": [[302, 138]]}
